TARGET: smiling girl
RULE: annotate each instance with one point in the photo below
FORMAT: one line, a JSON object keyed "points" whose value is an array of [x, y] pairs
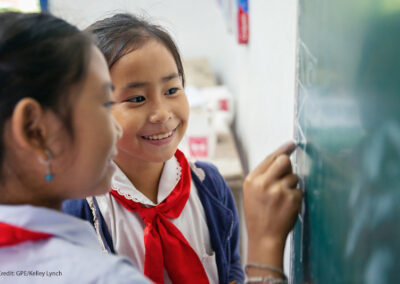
{"points": [[175, 220]]}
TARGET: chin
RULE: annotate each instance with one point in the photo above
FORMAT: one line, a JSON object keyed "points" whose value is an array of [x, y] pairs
{"points": [[102, 189], [160, 157]]}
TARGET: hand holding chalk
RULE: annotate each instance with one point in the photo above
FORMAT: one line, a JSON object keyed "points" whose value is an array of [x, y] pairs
{"points": [[271, 203]]}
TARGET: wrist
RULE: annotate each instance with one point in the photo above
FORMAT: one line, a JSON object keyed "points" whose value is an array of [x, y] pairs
{"points": [[266, 251], [265, 272]]}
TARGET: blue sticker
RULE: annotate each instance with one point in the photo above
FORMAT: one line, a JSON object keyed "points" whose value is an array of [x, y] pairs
{"points": [[244, 4]]}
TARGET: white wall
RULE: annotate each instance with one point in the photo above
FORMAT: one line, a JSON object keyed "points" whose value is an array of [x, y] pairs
{"points": [[267, 103], [261, 75], [196, 25]]}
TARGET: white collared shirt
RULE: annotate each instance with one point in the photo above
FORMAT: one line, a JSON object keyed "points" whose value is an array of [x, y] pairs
{"points": [[127, 228], [71, 255]]}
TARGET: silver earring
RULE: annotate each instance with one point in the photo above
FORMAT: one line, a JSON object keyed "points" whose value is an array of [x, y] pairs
{"points": [[49, 175]]}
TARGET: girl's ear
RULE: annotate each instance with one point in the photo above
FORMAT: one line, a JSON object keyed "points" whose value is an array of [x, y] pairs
{"points": [[28, 126]]}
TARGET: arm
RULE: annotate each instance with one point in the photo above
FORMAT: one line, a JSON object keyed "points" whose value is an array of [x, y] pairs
{"points": [[271, 204], [236, 273], [222, 221]]}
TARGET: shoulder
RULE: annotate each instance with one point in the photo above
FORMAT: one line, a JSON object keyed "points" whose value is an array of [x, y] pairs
{"points": [[67, 262], [118, 270], [205, 170], [94, 266], [208, 178], [78, 208], [74, 205]]}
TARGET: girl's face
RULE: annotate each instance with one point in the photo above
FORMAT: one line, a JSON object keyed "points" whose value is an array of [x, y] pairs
{"points": [[151, 108], [81, 161], [87, 169]]}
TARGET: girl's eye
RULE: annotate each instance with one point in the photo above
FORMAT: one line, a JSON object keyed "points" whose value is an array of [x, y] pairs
{"points": [[172, 91], [137, 99], [109, 104]]}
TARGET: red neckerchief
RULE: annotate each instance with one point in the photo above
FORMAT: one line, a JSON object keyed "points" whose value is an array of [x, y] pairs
{"points": [[12, 235], [164, 243]]}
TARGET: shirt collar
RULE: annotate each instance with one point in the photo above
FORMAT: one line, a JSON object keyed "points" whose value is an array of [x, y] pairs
{"points": [[170, 177], [45, 220]]}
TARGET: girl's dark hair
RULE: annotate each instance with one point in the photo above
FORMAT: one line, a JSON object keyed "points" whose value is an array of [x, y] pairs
{"points": [[124, 33], [41, 57]]}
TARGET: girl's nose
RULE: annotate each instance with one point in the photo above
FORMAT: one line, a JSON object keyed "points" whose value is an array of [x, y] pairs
{"points": [[160, 115]]}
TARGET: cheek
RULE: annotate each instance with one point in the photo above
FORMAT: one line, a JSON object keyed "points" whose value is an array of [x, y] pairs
{"points": [[96, 137], [62, 140], [129, 122], [183, 109], [111, 132], [64, 148]]}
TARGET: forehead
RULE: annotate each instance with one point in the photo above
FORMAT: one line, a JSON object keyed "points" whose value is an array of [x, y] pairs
{"points": [[97, 73], [150, 60], [98, 69]]}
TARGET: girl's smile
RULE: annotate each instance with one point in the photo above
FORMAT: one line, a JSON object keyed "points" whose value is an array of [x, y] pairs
{"points": [[160, 138]]}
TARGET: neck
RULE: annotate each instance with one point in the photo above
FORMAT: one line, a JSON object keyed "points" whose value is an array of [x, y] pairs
{"points": [[19, 195], [145, 176]]}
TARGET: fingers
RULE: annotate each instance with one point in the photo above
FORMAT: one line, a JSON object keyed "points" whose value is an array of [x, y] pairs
{"points": [[297, 197], [288, 185], [288, 195], [286, 149], [279, 168], [290, 181]]}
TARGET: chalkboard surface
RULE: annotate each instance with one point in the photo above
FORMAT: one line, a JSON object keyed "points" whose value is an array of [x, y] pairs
{"points": [[348, 126]]}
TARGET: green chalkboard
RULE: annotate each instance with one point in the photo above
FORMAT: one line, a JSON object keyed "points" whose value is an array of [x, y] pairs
{"points": [[348, 126]]}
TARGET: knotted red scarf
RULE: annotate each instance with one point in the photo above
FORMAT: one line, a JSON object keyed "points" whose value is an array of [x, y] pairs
{"points": [[164, 243], [12, 235]]}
